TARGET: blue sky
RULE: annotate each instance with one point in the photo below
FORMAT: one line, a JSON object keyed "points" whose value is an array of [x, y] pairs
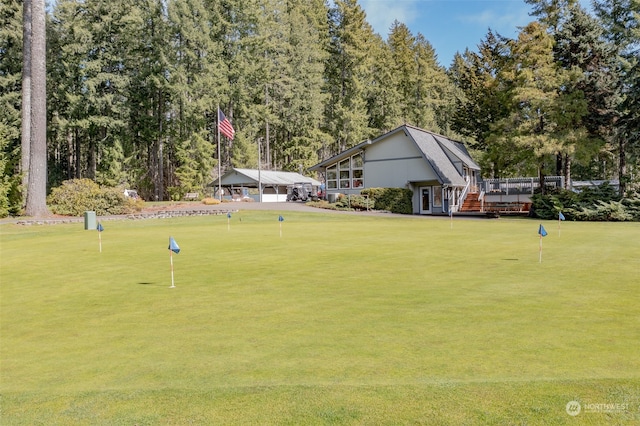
{"points": [[450, 25]]}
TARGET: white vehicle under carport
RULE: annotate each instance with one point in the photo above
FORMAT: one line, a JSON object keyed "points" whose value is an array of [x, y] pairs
{"points": [[302, 191]]}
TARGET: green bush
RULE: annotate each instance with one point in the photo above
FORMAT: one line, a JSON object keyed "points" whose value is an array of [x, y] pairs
{"points": [[355, 202], [395, 200], [600, 203], [76, 196]]}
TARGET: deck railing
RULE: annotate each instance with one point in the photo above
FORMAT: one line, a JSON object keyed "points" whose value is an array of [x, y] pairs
{"points": [[514, 186]]}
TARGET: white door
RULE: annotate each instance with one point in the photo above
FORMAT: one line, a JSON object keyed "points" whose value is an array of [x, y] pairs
{"points": [[425, 200]]}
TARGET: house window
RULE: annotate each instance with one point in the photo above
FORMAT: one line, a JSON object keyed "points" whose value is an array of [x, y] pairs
{"points": [[348, 173], [437, 196], [345, 171], [332, 177], [357, 170]]}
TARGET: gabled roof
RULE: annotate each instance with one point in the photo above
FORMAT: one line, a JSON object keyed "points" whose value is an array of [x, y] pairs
{"points": [[459, 150], [437, 158], [266, 177], [431, 145]]}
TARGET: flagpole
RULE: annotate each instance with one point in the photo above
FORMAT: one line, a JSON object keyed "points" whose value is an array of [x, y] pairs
{"points": [[219, 153], [540, 248], [171, 261], [259, 174], [560, 219], [100, 240]]}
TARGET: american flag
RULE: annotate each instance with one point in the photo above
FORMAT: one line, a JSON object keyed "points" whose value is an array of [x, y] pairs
{"points": [[225, 126]]}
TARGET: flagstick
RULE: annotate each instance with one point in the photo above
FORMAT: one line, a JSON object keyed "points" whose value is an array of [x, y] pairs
{"points": [[540, 248], [171, 261], [280, 229], [100, 240], [559, 226], [228, 225]]}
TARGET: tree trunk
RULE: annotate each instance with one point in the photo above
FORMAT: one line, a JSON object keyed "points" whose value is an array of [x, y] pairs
{"points": [[26, 97], [541, 177], [159, 182], [622, 165], [37, 186], [567, 171], [77, 154]]}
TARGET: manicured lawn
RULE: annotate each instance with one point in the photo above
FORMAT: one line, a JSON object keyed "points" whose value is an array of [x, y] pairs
{"points": [[341, 320]]}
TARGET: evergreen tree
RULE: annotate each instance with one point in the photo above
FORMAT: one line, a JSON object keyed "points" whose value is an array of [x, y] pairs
{"points": [[621, 22], [384, 103], [10, 104], [349, 72], [195, 73], [483, 101], [581, 49], [536, 106]]}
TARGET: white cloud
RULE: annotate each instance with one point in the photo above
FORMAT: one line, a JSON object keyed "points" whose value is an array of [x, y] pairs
{"points": [[504, 20], [381, 14]]}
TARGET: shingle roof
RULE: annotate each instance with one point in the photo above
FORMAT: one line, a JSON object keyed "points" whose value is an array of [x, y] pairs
{"points": [[432, 151], [432, 147]]}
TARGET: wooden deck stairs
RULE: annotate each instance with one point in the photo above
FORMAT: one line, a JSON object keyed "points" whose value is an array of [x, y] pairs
{"points": [[471, 204]]}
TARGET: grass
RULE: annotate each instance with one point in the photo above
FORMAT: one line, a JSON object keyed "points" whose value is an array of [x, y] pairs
{"points": [[341, 320]]}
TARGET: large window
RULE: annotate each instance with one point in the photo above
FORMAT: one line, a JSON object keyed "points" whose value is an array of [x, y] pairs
{"points": [[332, 177], [347, 174], [357, 170], [345, 169]]}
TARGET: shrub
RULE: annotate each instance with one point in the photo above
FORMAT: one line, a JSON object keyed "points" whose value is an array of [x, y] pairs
{"points": [[395, 200], [76, 196], [355, 202], [210, 201], [600, 203]]}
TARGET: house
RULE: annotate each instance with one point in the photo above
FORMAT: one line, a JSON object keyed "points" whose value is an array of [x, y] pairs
{"points": [[438, 170], [271, 185]]}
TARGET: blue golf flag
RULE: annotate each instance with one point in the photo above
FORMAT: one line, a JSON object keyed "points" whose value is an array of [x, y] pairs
{"points": [[173, 246], [228, 215], [280, 219], [560, 216], [100, 228], [542, 231]]}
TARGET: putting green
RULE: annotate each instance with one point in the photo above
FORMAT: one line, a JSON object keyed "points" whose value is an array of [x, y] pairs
{"points": [[322, 318]]}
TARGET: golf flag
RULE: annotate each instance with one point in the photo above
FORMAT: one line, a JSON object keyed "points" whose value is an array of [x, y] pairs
{"points": [[560, 218], [173, 246], [100, 229], [280, 220], [543, 233], [224, 125]]}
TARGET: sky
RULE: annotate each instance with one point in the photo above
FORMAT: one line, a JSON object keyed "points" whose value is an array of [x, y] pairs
{"points": [[450, 25]]}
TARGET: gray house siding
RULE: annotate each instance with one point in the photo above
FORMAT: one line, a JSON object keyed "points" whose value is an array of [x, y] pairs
{"points": [[430, 165]]}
